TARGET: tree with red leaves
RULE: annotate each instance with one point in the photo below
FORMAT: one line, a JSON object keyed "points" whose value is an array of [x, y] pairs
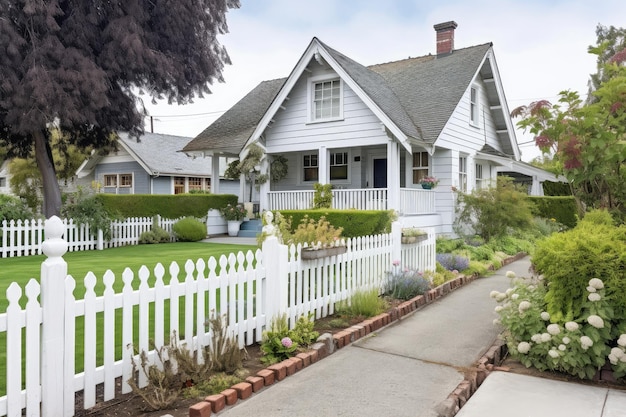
{"points": [[587, 139], [76, 65]]}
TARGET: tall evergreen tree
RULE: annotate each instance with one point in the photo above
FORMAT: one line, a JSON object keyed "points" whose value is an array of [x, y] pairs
{"points": [[76, 65]]}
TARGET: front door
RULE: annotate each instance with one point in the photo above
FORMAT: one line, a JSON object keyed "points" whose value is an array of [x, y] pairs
{"points": [[380, 173]]}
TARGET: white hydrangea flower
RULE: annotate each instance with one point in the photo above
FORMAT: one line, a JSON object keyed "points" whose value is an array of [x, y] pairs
{"points": [[500, 297], [591, 289], [509, 292], [595, 321], [536, 338], [496, 321], [594, 296], [514, 296], [523, 347], [566, 340], [494, 294], [562, 347], [553, 329], [596, 283], [613, 359], [622, 340], [498, 309], [545, 316], [545, 337], [572, 326], [523, 306], [586, 342], [623, 358], [510, 274], [553, 353], [617, 352]]}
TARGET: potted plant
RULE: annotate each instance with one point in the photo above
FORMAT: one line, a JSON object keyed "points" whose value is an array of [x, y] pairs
{"points": [[233, 214], [428, 183], [322, 238], [413, 235]]}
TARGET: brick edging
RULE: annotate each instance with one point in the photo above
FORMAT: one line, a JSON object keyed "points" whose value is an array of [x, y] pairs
{"points": [[327, 344]]}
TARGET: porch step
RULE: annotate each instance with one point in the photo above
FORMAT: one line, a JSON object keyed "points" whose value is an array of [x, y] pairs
{"points": [[250, 228]]}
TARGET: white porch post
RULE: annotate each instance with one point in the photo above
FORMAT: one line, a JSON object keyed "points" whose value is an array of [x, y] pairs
{"points": [[215, 174], [264, 189], [393, 175], [322, 163], [536, 187]]}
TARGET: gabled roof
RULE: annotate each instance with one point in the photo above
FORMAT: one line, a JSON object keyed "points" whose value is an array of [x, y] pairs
{"points": [[414, 97], [158, 154]]}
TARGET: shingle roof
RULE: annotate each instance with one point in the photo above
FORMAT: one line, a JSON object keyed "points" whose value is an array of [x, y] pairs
{"points": [[418, 94], [160, 153]]}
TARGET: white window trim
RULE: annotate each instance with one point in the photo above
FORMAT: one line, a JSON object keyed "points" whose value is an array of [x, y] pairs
{"points": [[348, 160], [301, 167], [474, 107], [310, 96], [421, 167], [463, 175]]}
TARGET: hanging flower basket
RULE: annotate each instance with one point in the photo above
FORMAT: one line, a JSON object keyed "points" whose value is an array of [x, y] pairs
{"points": [[414, 239], [312, 253]]}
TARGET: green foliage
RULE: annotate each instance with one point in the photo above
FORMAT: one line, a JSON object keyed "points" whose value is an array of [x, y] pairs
{"points": [[189, 229], [234, 212], [556, 189], [476, 268], [561, 209], [593, 249], [363, 303], [493, 212], [353, 222], [577, 345], [156, 235], [511, 244], [445, 245], [86, 208], [12, 208], [224, 354], [404, 284], [214, 385], [25, 181], [303, 334], [323, 197], [277, 344], [166, 206], [315, 232]]}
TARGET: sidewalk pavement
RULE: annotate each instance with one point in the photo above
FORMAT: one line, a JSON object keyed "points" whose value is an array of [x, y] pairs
{"points": [[411, 366]]}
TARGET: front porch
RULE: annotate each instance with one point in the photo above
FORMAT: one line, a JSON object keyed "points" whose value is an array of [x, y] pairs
{"points": [[411, 202]]}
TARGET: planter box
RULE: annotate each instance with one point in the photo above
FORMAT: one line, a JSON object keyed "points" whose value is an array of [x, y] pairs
{"points": [[414, 239], [308, 253]]}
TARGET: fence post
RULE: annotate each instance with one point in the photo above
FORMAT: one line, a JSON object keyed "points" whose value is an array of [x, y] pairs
{"points": [[276, 276], [100, 243], [396, 242], [53, 273]]}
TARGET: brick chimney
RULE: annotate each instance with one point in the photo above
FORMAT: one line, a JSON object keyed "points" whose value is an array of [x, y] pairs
{"points": [[445, 37]]}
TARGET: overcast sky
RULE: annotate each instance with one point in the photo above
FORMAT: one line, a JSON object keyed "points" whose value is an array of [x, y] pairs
{"points": [[540, 45]]}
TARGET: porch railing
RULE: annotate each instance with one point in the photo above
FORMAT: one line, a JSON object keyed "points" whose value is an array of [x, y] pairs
{"points": [[412, 201]]}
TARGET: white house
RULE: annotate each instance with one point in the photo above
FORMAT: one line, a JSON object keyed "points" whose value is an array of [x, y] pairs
{"points": [[375, 132]]}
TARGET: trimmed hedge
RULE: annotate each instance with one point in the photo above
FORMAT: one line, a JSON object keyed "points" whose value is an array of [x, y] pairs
{"points": [[560, 208], [556, 189], [354, 222], [167, 206]]}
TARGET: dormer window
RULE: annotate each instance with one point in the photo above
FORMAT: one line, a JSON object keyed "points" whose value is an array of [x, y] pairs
{"points": [[326, 99], [474, 106]]}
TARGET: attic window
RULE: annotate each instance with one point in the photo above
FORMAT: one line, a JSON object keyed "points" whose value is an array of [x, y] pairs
{"points": [[326, 99], [474, 106]]}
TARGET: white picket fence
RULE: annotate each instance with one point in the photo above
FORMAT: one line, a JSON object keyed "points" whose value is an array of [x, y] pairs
{"points": [[24, 237], [250, 288]]}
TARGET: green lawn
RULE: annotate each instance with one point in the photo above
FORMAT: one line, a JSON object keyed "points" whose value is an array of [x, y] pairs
{"points": [[22, 269]]}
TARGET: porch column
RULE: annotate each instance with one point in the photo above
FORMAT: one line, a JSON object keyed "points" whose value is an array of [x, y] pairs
{"points": [[536, 187], [322, 165], [215, 174], [393, 175], [264, 189]]}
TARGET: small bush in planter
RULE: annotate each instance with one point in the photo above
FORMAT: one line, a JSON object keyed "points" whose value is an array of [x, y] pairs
{"points": [[189, 229]]}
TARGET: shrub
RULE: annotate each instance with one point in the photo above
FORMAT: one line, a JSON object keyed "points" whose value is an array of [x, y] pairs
{"points": [[405, 284], [303, 333], [353, 222], [224, 354], [88, 209], [12, 208], [494, 211], [323, 197], [189, 229], [452, 262], [315, 232], [277, 344], [167, 206], [562, 209], [363, 303], [156, 235], [593, 249]]}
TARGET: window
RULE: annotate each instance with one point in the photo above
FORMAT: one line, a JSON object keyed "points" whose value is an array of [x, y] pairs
{"points": [[310, 167], [110, 180], [474, 106], [463, 174], [326, 100], [196, 183], [179, 185], [420, 166], [3, 182], [479, 176], [126, 180], [339, 166]]}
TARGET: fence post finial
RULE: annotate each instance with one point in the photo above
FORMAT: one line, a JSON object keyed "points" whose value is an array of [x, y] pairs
{"points": [[54, 246]]}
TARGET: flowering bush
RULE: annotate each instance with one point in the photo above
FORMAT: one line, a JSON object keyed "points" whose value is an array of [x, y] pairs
{"points": [[578, 345], [453, 262], [233, 212], [405, 284], [429, 181], [280, 343]]}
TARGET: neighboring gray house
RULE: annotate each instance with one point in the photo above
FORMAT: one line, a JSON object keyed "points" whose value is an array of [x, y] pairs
{"points": [[152, 165], [5, 177], [375, 132]]}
